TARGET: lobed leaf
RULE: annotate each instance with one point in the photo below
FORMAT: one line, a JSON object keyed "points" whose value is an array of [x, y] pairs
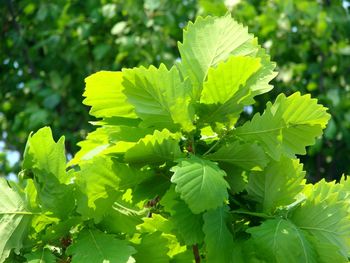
{"points": [[287, 126], [201, 184], [278, 185], [95, 246], [161, 99]]}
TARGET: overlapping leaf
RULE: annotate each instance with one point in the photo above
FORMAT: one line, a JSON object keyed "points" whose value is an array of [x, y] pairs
{"points": [[278, 240], [14, 220], [247, 156], [188, 225], [226, 89], [159, 147], [218, 238], [201, 183], [287, 126], [160, 98], [95, 246], [104, 92], [327, 218], [277, 185], [46, 159], [41, 256], [208, 41]]}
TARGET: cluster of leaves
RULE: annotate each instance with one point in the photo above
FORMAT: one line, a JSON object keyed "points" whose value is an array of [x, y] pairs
{"points": [[170, 174], [310, 42], [48, 47]]}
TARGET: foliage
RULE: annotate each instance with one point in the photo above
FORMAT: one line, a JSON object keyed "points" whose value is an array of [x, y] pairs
{"points": [[48, 47], [171, 174], [310, 42]]}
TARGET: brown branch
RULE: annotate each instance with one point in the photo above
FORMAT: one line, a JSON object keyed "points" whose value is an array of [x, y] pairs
{"points": [[196, 255]]}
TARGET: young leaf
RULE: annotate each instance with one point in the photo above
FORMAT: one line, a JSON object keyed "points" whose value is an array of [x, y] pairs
{"points": [[95, 246], [188, 225], [201, 183], [226, 79], [160, 98], [104, 92], [277, 185], [46, 159], [225, 89], [287, 126], [325, 216], [278, 240], [218, 238], [247, 156], [96, 181], [159, 147], [14, 220], [208, 41]]}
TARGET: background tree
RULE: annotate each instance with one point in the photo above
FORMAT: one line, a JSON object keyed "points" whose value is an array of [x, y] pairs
{"points": [[48, 48]]}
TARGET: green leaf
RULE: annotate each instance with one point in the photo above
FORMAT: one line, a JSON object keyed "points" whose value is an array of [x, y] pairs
{"points": [[327, 218], [95, 246], [209, 41], [227, 78], [46, 159], [160, 98], [278, 185], [103, 139], [159, 147], [104, 92], [287, 126], [96, 181], [279, 240], [201, 184], [153, 248], [245, 155], [14, 220], [218, 238], [40, 256], [186, 224], [226, 89]]}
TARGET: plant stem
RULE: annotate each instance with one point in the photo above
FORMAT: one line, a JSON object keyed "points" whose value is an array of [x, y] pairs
{"points": [[212, 147], [195, 250], [262, 215]]}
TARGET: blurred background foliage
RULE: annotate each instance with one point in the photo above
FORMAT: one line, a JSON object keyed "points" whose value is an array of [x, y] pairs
{"points": [[47, 48]]}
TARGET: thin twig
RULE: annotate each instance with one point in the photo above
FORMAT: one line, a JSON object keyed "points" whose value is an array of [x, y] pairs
{"points": [[196, 255]]}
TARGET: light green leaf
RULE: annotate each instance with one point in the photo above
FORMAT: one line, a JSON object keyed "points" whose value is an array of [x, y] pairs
{"points": [[277, 185], [104, 140], [14, 220], [159, 147], [226, 79], [287, 126], [226, 88], [95, 246], [325, 216], [278, 240], [208, 41], [46, 159], [40, 256], [97, 181], [201, 183], [245, 155], [218, 238], [160, 98], [104, 92]]}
